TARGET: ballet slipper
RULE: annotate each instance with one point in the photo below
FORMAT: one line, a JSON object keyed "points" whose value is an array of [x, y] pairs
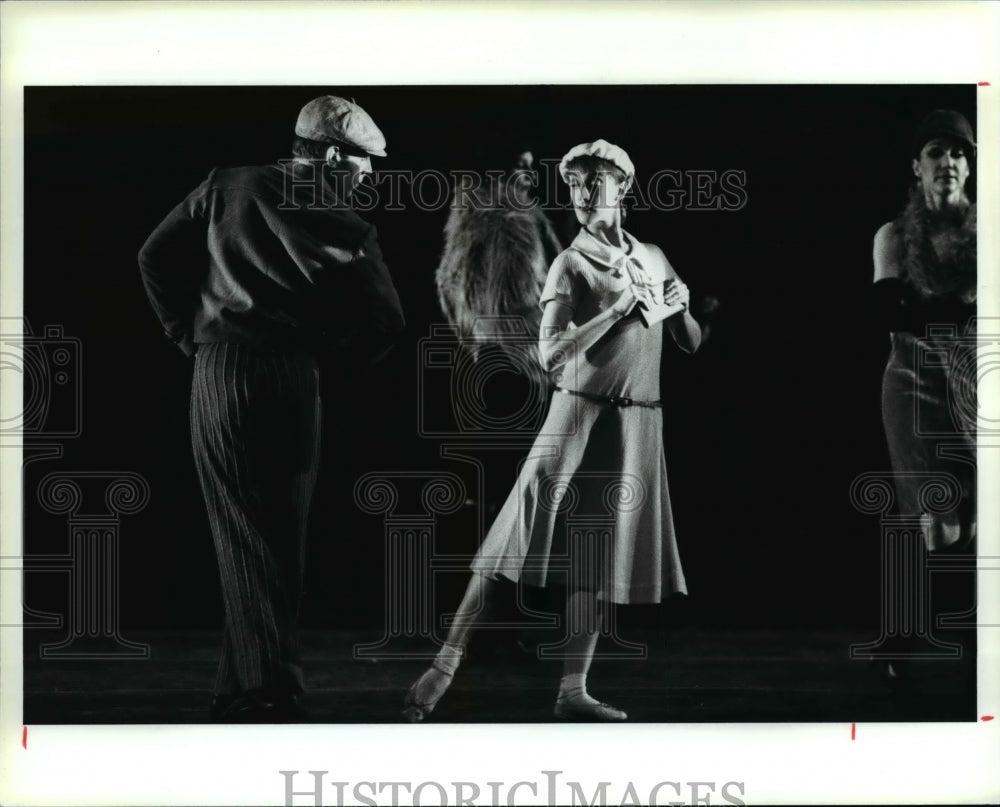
{"points": [[421, 698], [587, 711]]}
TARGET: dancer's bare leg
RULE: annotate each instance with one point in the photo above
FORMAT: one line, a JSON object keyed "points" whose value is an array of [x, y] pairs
{"points": [[584, 619], [428, 689]]}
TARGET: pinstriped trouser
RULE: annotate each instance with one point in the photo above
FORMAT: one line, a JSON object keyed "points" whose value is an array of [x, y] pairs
{"points": [[255, 425]]}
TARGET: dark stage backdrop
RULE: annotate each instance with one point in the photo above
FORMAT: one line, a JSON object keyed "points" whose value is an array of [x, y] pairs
{"points": [[766, 426]]}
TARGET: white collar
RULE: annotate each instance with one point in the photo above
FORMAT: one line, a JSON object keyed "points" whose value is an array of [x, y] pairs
{"points": [[605, 254]]}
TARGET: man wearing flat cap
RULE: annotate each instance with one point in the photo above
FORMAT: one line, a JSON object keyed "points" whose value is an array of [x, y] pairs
{"points": [[261, 274]]}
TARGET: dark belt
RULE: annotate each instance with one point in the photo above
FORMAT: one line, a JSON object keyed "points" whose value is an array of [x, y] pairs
{"points": [[613, 400]]}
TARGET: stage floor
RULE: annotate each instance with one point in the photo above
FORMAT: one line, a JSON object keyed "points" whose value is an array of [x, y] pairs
{"points": [[688, 676]]}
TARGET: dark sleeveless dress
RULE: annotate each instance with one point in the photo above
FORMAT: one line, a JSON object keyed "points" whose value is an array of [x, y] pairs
{"points": [[929, 411]]}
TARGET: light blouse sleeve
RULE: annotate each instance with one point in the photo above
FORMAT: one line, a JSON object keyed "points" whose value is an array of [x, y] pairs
{"points": [[564, 283]]}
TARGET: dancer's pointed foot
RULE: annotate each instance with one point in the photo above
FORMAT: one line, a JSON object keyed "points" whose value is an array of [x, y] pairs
{"points": [[425, 693]]}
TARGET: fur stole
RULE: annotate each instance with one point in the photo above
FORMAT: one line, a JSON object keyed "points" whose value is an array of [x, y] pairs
{"points": [[939, 248], [493, 268]]}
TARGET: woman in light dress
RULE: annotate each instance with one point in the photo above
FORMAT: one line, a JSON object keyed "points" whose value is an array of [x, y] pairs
{"points": [[606, 302]]}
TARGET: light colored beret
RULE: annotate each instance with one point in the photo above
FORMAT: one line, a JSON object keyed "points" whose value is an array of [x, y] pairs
{"points": [[599, 148]]}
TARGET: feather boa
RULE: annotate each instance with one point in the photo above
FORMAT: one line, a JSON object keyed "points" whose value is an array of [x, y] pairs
{"points": [[492, 271], [939, 248]]}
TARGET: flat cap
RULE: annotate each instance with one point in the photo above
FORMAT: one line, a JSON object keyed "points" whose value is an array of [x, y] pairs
{"points": [[330, 118], [599, 148]]}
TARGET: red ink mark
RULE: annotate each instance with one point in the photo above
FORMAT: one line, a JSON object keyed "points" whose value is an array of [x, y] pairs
{"points": [[852, 730], [24, 738], [984, 718], [984, 84]]}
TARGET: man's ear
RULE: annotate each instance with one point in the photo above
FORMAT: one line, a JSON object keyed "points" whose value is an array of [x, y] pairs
{"points": [[333, 156], [624, 187], [916, 168]]}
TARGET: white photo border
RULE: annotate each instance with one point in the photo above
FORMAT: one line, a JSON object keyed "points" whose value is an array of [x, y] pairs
{"points": [[155, 43]]}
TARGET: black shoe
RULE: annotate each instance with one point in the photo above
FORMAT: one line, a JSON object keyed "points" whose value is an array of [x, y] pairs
{"points": [[258, 706], [220, 704], [895, 667], [895, 674], [521, 651]]}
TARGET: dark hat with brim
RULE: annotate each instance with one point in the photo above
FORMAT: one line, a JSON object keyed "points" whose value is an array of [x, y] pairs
{"points": [[330, 119], [944, 123]]}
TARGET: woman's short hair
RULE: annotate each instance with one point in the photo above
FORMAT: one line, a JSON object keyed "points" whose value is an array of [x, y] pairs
{"points": [[589, 164]]}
